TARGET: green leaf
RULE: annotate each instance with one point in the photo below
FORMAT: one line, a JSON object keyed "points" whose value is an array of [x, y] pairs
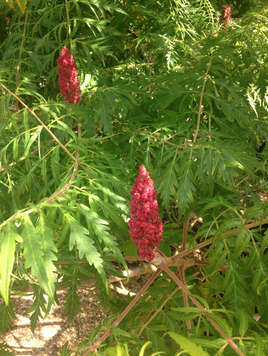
{"points": [[79, 236], [55, 163], [187, 345], [38, 256], [209, 343], [235, 286], [48, 245], [72, 303], [120, 332], [259, 345], [166, 186], [243, 322], [118, 350], [4, 350], [7, 315], [148, 343], [7, 251], [38, 308], [187, 310], [15, 149], [100, 227], [104, 111], [32, 139], [222, 323], [186, 187]]}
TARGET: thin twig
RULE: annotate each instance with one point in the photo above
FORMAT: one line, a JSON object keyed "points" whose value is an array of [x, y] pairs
{"points": [[177, 260], [188, 143], [158, 311], [3, 169], [200, 108], [39, 120], [181, 269], [224, 235], [124, 313], [145, 268], [165, 268], [68, 23], [20, 52], [56, 195], [229, 340]]}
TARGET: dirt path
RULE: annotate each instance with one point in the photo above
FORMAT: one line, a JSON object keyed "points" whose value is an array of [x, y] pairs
{"points": [[53, 332]]}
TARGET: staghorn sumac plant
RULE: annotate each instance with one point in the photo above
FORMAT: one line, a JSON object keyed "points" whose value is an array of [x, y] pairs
{"points": [[163, 87]]}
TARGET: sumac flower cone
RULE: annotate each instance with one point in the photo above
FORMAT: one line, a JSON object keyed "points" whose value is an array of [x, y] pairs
{"points": [[67, 76], [145, 227], [225, 15]]}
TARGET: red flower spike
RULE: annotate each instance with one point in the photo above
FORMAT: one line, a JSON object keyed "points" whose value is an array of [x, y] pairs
{"points": [[145, 227], [68, 82], [225, 15]]}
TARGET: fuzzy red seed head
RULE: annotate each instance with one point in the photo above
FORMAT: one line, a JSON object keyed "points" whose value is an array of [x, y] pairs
{"points": [[225, 15], [145, 227], [68, 82]]}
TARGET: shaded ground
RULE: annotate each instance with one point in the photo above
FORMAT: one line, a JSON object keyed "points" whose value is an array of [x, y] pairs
{"points": [[53, 332]]}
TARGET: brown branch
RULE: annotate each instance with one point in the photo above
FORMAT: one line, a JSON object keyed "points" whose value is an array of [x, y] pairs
{"points": [[158, 311], [178, 260], [182, 269], [228, 339], [200, 108], [145, 268], [20, 52], [202, 308], [183, 287], [124, 313], [223, 235], [22, 158], [15, 162], [188, 143]]}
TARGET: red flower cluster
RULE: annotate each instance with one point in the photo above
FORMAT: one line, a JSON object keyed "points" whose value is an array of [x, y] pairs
{"points": [[145, 225], [225, 15], [68, 82]]}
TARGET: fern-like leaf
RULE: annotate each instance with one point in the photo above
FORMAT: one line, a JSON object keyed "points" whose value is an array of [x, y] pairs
{"points": [[79, 236], [6, 317], [72, 302], [38, 256], [38, 308]]}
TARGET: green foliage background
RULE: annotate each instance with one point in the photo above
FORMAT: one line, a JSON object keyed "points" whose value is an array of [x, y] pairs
{"points": [[163, 85]]}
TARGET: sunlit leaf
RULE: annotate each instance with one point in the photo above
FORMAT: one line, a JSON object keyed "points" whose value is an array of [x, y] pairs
{"points": [[7, 250], [187, 345]]}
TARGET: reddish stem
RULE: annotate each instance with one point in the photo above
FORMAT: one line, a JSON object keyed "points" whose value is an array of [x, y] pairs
{"points": [[181, 269], [196, 302], [124, 313]]}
